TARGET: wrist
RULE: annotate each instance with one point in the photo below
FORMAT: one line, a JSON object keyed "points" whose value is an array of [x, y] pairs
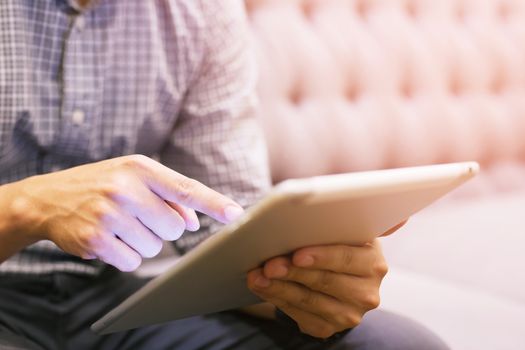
{"points": [[18, 217]]}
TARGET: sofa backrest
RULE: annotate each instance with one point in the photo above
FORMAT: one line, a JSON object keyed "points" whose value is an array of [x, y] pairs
{"points": [[350, 85]]}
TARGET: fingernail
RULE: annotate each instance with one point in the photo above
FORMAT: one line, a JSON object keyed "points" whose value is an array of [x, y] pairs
{"points": [[233, 212], [192, 221], [193, 225], [262, 282], [305, 261]]}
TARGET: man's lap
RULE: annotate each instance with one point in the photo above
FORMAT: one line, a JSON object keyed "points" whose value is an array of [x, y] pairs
{"points": [[57, 311]]}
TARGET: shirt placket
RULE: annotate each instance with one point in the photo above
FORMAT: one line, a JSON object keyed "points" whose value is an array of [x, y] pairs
{"points": [[79, 87]]}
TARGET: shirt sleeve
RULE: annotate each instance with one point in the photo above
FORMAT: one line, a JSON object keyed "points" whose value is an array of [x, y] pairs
{"points": [[217, 139]]}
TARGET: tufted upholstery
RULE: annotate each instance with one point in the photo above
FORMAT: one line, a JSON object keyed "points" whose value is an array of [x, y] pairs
{"points": [[351, 85], [364, 84]]}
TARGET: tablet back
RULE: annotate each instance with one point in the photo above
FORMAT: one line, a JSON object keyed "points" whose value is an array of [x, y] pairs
{"points": [[348, 208]]}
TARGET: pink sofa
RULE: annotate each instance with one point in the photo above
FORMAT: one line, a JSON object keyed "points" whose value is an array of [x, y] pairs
{"points": [[349, 85]]}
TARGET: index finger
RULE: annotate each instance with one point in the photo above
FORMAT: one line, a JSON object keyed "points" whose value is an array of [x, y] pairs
{"points": [[354, 260], [177, 188]]}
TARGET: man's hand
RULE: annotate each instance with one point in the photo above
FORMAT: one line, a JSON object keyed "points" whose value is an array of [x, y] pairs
{"points": [[325, 289], [117, 210]]}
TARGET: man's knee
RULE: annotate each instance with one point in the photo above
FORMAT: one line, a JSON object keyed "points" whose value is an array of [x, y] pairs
{"points": [[387, 331]]}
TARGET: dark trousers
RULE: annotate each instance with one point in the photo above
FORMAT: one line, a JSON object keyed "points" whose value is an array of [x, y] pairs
{"points": [[56, 311]]}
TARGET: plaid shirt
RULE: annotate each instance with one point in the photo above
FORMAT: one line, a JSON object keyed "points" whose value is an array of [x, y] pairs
{"points": [[173, 80]]}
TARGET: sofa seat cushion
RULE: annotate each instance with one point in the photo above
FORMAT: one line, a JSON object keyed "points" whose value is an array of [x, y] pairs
{"points": [[459, 268]]}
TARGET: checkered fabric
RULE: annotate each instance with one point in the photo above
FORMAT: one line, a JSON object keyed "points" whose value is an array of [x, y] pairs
{"points": [[174, 80]]}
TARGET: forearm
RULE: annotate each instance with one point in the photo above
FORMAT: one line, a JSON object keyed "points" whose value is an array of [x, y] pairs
{"points": [[13, 215]]}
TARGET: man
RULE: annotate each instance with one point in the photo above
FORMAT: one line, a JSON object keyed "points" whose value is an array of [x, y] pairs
{"points": [[87, 86]]}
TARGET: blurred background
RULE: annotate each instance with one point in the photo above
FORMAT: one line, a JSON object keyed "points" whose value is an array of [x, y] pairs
{"points": [[351, 85]]}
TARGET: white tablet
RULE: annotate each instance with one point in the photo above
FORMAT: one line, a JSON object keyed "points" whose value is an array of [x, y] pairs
{"points": [[347, 208]]}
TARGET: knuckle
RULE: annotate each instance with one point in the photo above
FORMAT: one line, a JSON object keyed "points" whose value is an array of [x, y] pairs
{"points": [[135, 161], [371, 301], [349, 319], [347, 257], [185, 188], [324, 281], [308, 299], [91, 237], [380, 268], [324, 330], [111, 190], [118, 184], [101, 209]]}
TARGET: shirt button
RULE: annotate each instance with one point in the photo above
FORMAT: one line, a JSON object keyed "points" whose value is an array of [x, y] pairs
{"points": [[78, 117], [80, 23], [55, 168]]}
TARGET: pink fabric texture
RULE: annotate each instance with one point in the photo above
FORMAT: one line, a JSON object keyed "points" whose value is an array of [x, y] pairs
{"points": [[351, 85]]}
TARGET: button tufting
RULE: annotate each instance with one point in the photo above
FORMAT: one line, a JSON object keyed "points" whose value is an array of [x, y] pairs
{"points": [[411, 9], [352, 93], [407, 89], [80, 23], [295, 96], [308, 8], [445, 61], [362, 8], [504, 11]]}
